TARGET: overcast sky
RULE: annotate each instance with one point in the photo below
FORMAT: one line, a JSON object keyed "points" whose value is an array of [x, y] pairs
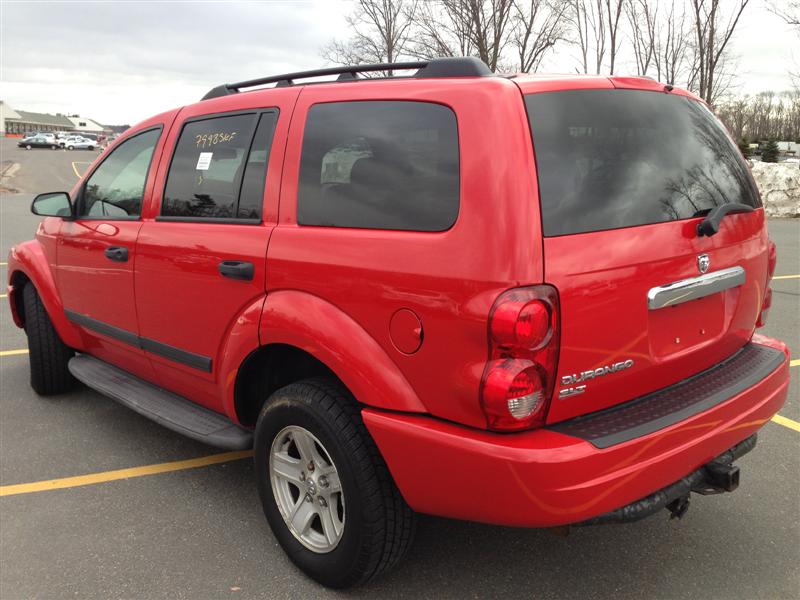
{"points": [[120, 62]]}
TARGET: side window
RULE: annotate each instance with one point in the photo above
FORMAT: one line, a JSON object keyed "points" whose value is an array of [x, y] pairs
{"points": [[116, 187], [219, 167], [252, 195], [380, 165]]}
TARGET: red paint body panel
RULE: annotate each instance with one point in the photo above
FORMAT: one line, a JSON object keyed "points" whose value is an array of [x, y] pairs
{"points": [[542, 478], [604, 310], [182, 300], [449, 279], [308, 322], [36, 259]]}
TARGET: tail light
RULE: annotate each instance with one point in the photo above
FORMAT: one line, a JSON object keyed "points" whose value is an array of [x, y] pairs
{"points": [[772, 262], [519, 377]]}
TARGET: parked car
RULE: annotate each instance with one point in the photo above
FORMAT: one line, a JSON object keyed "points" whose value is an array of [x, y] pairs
{"points": [[479, 297], [79, 143], [38, 141]]}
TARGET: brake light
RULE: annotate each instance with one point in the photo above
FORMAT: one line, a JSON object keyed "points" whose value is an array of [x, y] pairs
{"points": [[772, 261], [519, 376]]}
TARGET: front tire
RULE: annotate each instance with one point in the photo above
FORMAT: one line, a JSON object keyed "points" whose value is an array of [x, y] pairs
{"points": [[325, 489], [47, 354]]}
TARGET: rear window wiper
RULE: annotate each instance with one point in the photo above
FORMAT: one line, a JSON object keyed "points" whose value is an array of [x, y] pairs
{"points": [[710, 225]]}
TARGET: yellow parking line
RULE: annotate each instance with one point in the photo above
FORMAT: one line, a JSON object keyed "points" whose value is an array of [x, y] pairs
{"points": [[103, 477], [14, 352], [3, 295], [795, 362], [787, 277], [3, 264], [74, 168], [791, 424]]}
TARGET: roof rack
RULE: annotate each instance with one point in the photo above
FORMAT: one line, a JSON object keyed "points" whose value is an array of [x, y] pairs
{"points": [[462, 66]]}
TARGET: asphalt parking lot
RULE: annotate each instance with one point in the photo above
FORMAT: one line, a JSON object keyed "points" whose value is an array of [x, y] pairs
{"points": [[177, 532]]}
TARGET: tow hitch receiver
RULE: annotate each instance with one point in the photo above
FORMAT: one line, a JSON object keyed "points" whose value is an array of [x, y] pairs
{"points": [[720, 477], [715, 477]]}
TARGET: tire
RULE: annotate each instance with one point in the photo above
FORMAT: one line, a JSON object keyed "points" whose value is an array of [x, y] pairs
{"points": [[48, 355], [54, 147], [27, 147], [91, 147], [70, 147], [377, 526]]}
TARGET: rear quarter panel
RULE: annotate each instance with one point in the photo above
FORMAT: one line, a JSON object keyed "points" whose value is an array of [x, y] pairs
{"points": [[449, 279]]}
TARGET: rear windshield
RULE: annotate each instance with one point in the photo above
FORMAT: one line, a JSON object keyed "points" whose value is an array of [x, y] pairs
{"points": [[618, 158]]}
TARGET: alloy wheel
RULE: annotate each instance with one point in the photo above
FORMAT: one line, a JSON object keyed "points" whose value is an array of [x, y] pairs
{"points": [[307, 489]]}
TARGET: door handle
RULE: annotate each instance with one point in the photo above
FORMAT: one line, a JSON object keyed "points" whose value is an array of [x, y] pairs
{"points": [[117, 253], [237, 269]]}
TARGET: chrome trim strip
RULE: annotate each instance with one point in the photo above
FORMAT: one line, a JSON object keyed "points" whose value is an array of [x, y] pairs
{"points": [[694, 288]]}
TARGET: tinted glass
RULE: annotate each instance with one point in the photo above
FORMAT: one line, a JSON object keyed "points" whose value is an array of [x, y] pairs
{"points": [[617, 158], [379, 165], [116, 187], [255, 171], [207, 168]]}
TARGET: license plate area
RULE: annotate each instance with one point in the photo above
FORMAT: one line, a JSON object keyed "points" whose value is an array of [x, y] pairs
{"points": [[677, 329]]}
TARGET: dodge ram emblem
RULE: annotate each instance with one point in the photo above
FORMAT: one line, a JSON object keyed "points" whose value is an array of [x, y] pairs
{"points": [[703, 262]]}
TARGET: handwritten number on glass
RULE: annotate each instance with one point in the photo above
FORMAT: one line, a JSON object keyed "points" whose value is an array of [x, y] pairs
{"points": [[207, 140]]}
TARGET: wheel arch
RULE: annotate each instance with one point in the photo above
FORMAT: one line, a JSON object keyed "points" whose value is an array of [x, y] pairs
{"points": [[28, 265], [297, 327]]}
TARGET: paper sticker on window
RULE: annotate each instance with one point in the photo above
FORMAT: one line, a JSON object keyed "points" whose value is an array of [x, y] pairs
{"points": [[204, 161]]}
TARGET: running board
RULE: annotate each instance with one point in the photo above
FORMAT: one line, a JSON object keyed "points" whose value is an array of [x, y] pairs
{"points": [[165, 408]]}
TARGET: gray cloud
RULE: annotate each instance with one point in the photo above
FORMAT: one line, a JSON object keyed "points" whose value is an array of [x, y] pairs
{"points": [[58, 50]]}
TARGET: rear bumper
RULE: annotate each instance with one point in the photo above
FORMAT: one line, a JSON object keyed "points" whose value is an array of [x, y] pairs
{"points": [[546, 478]]}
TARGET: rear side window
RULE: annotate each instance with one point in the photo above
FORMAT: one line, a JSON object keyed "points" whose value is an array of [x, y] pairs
{"points": [[116, 187], [380, 165], [608, 159], [215, 174]]}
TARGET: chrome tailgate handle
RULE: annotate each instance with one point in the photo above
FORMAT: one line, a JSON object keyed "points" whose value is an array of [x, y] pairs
{"points": [[694, 288]]}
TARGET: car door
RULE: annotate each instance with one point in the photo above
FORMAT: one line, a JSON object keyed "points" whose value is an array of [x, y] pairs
{"points": [[201, 257], [96, 251]]}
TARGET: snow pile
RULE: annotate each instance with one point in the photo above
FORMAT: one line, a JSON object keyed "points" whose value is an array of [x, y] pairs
{"points": [[779, 184]]}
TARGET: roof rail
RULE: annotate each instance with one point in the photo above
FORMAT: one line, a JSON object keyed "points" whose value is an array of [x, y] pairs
{"points": [[461, 66]]}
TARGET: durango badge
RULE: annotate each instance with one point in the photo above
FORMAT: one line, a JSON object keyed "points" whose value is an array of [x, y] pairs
{"points": [[576, 378]]}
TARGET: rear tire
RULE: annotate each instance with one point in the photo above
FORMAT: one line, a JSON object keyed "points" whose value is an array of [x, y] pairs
{"points": [[70, 147], [377, 525], [47, 354], [27, 147]]}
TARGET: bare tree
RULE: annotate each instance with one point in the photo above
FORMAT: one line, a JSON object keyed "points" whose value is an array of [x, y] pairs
{"points": [[588, 23], [672, 46], [788, 10], [613, 14], [380, 33], [713, 31], [464, 27], [642, 19], [766, 115], [538, 25]]}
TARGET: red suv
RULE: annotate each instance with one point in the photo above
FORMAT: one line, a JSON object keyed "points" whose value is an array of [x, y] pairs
{"points": [[523, 300]]}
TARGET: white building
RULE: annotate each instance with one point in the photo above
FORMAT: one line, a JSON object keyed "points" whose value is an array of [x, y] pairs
{"points": [[84, 124]]}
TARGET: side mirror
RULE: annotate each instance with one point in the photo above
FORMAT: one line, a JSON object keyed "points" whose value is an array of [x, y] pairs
{"points": [[54, 204]]}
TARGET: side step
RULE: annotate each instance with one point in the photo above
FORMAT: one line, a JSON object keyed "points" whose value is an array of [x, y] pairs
{"points": [[159, 405]]}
